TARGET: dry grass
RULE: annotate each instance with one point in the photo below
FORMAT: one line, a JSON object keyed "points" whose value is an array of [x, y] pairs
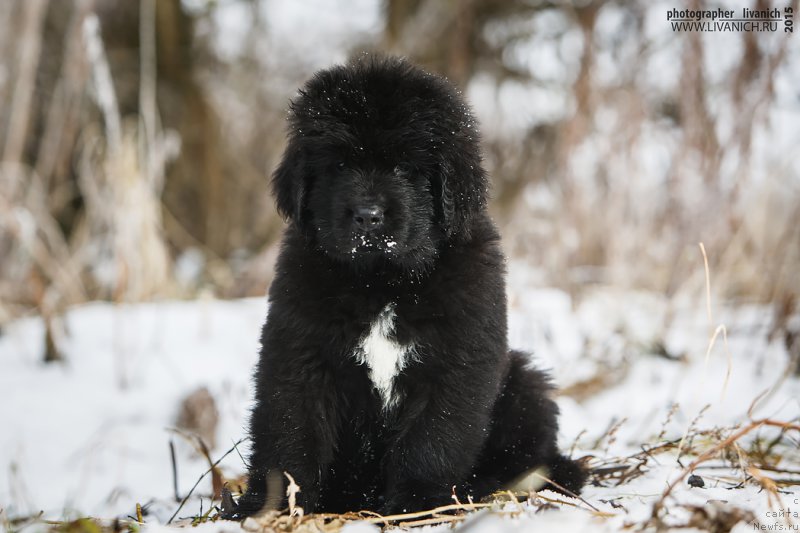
{"points": [[717, 449]]}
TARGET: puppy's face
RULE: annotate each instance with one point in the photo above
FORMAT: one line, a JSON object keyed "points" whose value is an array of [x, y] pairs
{"points": [[364, 210], [382, 165]]}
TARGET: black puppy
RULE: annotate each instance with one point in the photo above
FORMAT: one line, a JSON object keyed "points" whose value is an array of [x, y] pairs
{"points": [[385, 378]]}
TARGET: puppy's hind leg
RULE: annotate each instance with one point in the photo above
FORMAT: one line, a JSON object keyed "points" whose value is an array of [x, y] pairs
{"points": [[524, 435]]}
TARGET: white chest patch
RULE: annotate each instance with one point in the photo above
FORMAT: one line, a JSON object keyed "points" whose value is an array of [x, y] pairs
{"points": [[384, 356]]}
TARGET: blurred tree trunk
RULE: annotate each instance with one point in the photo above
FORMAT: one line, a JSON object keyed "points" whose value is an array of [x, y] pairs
{"points": [[30, 44], [447, 35], [696, 118], [194, 187], [436, 33]]}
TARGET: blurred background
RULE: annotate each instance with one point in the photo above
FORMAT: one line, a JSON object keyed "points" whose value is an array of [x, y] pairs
{"points": [[137, 139], [136, 144]]}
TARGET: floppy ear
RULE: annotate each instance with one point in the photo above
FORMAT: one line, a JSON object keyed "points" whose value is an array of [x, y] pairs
{"points": [[460, 189], [445, 207], [288, 184]]}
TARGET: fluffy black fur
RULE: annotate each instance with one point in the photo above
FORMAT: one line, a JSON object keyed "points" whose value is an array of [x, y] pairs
{"points": [[385, 195]]}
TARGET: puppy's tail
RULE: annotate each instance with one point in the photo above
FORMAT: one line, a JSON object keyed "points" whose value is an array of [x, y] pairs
{"points": [[567, 475]]}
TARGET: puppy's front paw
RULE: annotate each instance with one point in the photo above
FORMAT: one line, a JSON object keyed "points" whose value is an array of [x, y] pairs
{"points": [[250, 503], [415, 499]]}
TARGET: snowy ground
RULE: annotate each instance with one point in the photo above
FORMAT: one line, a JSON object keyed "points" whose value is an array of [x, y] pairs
{"points": [[91, 436]]}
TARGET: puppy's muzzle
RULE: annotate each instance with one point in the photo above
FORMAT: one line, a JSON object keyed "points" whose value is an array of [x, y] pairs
{"points": [[368, 219]]}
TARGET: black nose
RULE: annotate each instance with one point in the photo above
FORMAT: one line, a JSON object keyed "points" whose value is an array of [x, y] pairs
{"points": [[368, 217]]}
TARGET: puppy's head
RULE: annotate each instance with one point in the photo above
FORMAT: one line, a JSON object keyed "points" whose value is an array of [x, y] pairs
{"points": [[382, 163]]}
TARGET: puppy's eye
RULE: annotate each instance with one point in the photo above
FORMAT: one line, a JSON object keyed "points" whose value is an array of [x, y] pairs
{"points": [[340, 165], [401, 170]]}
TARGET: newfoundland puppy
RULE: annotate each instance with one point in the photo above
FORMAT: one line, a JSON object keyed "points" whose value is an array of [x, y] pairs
{"points": [[385, 381]]}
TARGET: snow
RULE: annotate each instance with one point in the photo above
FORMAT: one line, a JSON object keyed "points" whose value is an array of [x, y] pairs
{"points": [[90, 436]]}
